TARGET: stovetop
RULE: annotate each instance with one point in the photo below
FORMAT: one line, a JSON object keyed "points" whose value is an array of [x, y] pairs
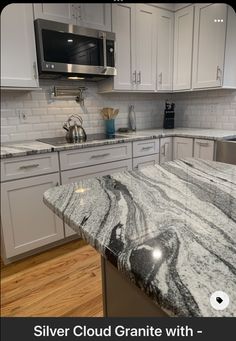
{"points": [[59, 141]]}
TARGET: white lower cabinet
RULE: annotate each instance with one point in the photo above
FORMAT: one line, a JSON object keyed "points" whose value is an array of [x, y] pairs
{"points": [[182, 147], [166, 149], [27, 223], [204, 149], [75, 175], [144, 161]]}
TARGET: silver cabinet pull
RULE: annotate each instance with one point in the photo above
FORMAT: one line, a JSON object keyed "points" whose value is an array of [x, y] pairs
{"points": [[219, 74], [163, 150], [160, 78], [134, 80], [99, 155], [147, 148], [203, 144], [139, 78], [29, 166], [35, 70]]}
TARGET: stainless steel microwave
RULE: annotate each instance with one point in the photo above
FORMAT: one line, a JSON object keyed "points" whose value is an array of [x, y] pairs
{"points": [[74, 52]]}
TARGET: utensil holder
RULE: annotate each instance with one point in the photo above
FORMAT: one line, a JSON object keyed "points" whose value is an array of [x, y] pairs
{"points": [[110, 127]]}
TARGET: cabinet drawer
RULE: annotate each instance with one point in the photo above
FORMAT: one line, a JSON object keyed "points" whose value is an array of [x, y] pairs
{"points": [[204, 149], [143, 161], [93, 156], [23, 167], [148, 147]]}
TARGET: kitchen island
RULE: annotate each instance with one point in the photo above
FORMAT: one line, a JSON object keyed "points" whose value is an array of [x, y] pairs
{"points": [[168, 230]]}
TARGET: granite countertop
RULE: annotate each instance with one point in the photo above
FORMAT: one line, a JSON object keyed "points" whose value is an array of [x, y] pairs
{"points": [[170, 229], [24, 148]]}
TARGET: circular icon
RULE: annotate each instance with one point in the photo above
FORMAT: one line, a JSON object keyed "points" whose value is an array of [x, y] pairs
{"points": [[219, 300]]}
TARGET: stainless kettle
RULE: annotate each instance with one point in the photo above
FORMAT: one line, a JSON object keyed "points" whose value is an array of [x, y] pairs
{"points": [[75, 132]]}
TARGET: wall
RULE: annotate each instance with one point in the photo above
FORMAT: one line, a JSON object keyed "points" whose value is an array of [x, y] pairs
{"points": [[206, 109], [200, 109], [45, 118]]}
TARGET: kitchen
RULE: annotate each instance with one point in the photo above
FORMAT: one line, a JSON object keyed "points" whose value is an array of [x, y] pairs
{"points": [[152, 106]]}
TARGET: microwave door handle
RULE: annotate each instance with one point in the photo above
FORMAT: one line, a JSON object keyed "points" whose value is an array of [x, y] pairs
{"points": [[104, 51]]}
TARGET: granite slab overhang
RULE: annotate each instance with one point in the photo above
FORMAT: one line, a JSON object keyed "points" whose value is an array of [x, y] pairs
{"points": [[170, 229]]}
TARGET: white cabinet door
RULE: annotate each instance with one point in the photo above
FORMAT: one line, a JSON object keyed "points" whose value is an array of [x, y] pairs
{"points": [[182, 147], [204, 149], [209, 45], [145, 52], [66, 13], [76, 175], [144, 161], [183, 43], [166, 150], [18, 52], [165, 44], [97, 16], [27, 223], [123, 25]]}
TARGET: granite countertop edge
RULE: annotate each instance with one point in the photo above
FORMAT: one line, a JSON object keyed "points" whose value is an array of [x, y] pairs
{"points": [[25, 148]]}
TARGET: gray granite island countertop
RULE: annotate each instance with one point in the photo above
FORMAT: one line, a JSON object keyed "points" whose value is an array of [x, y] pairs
{"points": [[23, 148], [170, 229]]}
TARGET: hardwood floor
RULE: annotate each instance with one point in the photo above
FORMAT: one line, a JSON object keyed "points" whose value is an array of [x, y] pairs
{"points": [[64, 281]]}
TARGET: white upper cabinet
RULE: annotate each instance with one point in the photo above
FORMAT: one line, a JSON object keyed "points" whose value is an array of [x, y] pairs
{"points": [[135, 59], [66, 13], [165, 44], [214, 50], [92, 15], [145, 52], [18, 53], [183, 44], [97, 16], [123, 24], [209, 41]]}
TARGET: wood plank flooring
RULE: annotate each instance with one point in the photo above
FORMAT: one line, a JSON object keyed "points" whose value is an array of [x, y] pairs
{"points": [[64, 281]]}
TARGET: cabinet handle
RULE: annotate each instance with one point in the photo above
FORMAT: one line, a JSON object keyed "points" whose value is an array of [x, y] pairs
{"points": [[134, 74], [29, 166], [57, 183], [99, 156], [160, 78], [218, 74], [146, 148], [163, 150], [203, 144], [35, 70], [139, 78], [79, 12]]}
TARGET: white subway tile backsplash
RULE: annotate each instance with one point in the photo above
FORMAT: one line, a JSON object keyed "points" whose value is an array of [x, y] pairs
{"points": [[45, 117], [206, 109]]}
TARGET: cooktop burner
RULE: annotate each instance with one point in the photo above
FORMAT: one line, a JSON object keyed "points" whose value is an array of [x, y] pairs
{"points": [[58, 141]]}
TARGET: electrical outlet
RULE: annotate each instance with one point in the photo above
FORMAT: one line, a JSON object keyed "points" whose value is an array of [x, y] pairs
{"points": [[23, 117]]}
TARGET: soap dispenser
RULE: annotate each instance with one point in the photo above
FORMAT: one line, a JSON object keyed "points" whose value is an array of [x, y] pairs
{"points": [[132, 118]]}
